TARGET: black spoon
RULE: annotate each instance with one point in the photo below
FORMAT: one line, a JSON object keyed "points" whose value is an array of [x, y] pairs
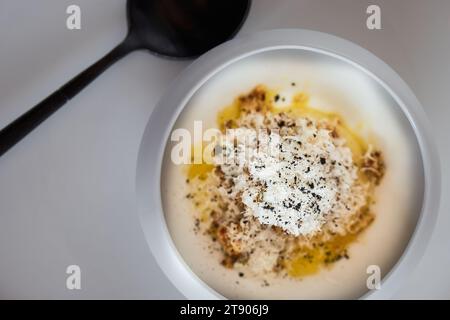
{"points": [[170, 28]]}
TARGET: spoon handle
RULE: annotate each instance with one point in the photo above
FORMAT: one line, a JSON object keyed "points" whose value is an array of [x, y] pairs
{"points": [[19, 128]]}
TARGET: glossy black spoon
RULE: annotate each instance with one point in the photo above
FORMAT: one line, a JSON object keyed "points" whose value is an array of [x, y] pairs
{"points": [[170, 28]]}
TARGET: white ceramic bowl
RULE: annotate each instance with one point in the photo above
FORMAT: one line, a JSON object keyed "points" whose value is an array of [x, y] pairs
{"points": [[148, 176]]}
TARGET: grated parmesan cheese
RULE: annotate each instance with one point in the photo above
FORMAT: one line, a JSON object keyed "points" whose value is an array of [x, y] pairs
{"points": [[292, 179]]}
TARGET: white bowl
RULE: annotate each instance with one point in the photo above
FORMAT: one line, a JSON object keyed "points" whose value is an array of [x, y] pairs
{"points": [[148, 176]]}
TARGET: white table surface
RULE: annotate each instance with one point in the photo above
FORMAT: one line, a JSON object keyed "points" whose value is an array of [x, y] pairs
{"points": [[67, 192]]}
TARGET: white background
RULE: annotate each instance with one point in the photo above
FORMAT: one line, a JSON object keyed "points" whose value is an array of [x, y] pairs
{"points": [[67, 192]]}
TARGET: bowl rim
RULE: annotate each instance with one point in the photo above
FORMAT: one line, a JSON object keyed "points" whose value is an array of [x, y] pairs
{"points": [[171, 104]]}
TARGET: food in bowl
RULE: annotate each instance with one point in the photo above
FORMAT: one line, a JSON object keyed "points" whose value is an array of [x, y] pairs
{"points": [[297, 84], [287, 188]]}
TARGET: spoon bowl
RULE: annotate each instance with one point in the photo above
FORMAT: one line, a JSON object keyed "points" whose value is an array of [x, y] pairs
{"points": [[184, 29]]}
